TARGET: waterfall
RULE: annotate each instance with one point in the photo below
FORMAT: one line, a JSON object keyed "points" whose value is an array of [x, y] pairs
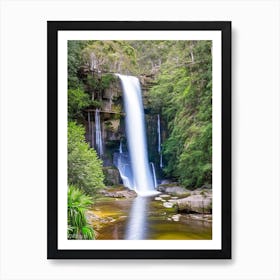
{"points": [[159, 141], [158, 131], [89, 128], [90, 131], [154, 175], [121, 161], [92, 134], [136, 135], [98, 136], [120, 148]]}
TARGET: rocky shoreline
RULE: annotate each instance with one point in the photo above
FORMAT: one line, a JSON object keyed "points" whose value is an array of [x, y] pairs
{"points": [[186, 201]]}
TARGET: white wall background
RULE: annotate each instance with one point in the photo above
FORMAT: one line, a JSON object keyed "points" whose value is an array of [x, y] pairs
{"points": [[255, 151]]}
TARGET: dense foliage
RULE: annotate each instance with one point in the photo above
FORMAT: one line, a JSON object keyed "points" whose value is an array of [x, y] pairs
{"points": [[77, 101], [183, 95], [84, 166], [75, 61], [78, 203]]}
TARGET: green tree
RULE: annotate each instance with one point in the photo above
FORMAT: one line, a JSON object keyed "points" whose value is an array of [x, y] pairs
{"points": [[77, 101], [84, 166], [75, 61], [78, 204]]}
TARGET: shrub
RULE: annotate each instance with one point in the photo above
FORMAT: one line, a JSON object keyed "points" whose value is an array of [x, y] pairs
{"points": [[78, 203], [84, 166]]}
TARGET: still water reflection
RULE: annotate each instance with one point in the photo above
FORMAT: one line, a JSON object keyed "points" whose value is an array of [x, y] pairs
{"points": [[146, 218], [136, 228]]}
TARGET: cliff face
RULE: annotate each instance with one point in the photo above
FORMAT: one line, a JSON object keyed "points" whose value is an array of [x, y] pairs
{"points": [[107, 103]]}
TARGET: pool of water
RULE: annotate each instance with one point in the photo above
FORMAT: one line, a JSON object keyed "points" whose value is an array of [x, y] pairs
{"points": [[146, 218]]}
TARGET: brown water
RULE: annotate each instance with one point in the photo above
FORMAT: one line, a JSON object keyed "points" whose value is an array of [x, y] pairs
{"points": [[146, 218]]}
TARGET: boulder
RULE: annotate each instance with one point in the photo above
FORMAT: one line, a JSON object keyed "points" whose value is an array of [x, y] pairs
{"points": [[125, 193], [168, 204], [195, 203], [175, 190], [164, 195], [112, 176], [176, 217]]}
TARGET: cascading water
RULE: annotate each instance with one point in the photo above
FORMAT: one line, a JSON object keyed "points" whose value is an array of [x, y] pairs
{"points": [[154, 175], [158, 131], [120, 148], [136, 136], [98, 136], [159, 141], [160, 161], [92, 134], [122, 162], [89, 128], [125, 172]]}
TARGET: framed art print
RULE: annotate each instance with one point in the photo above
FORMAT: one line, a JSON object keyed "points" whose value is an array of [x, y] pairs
{"points": [[139, 140]]}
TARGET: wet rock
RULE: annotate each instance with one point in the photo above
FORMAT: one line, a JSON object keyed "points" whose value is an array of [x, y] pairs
{"points": [[112, 176], [173, 189], [122, 217], [168, 204], [205, 218], [164, 195], [166, 181], [158, 198], [123, 193], [195, 203], [176, 217]]}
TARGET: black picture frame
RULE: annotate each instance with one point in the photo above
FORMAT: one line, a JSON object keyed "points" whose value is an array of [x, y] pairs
{"points": [[53, 27]]}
